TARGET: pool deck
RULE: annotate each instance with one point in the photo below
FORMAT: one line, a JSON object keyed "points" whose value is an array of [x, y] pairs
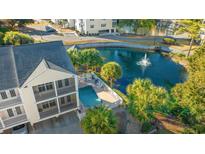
{"points": [[103, 91]]}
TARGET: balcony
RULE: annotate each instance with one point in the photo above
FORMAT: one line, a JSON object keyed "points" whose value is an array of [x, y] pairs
{"points": [[44, 95], [15, 120], [48, 113], [65, 90], [67, 107], [10, 102]]}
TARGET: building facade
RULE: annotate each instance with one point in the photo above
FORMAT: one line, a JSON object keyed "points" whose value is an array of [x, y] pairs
{"points": [[95, 26], [37, 82], [89, 26]]}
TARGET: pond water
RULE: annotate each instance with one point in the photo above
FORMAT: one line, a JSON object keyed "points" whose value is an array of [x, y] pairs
{"points": [[162, 71]]}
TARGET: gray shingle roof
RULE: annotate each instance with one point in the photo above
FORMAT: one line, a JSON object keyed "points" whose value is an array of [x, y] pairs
{"points": [[18, 62]]}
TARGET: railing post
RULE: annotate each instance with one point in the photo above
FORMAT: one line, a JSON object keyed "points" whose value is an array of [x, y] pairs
{"points": [[55, 87]]}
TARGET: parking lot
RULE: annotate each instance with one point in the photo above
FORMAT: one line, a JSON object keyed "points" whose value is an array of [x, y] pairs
{"points": [[64, 124]]}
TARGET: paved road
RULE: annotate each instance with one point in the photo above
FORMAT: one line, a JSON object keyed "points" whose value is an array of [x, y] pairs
{"points": [[39, 32]]}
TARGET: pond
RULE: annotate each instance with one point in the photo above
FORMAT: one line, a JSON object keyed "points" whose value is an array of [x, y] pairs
{"points": [[162, 71]]}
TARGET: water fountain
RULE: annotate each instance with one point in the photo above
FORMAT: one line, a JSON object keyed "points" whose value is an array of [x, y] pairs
{"points": [[144, 62]]}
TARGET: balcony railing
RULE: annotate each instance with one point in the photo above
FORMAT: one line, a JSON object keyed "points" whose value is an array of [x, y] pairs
{"points": [[44, 95], [48, 113], [10, 102], [15, 120], [68, 107], [65, 90]]}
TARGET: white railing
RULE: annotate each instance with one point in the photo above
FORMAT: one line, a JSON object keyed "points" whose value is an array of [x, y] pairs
{"points": [[15, 120], [113, 93], [90, 82], [10, 102]]}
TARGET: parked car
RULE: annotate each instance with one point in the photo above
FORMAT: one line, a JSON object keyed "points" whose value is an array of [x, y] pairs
{"points": [[21, 129]]}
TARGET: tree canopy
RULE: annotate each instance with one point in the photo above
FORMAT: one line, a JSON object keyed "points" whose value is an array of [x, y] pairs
{"points": [[145, 99], [88, 58], [91, 58], [110, 72], [191, 94], [1, 38], [138, 23], [17, 38], [13, 24], [74, 55], [99, 120], [192, 28], [197, 60]]}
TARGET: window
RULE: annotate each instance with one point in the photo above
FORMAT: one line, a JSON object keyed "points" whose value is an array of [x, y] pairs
{"points": [[41, 88], [66, 82], [52, 103], [91, 19], [49, 86], [18, 110], [91, 26], [60, 84], [62, 100], [68, 99], [3, 95], [12, 93], [103, 25], [10, 112], [45, 106]]}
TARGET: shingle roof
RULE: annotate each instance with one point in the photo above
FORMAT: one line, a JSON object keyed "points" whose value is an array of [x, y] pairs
{"points": [[18, 62]]}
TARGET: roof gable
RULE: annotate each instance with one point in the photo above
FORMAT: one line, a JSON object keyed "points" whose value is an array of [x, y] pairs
{"points": [[42, 68], [17, 63]]}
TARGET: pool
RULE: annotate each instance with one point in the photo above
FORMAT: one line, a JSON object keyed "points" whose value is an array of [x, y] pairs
{"points": [[162, 71], [88, 97]]}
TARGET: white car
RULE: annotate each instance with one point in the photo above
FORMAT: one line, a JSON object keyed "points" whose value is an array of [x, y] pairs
{"points": [[21, 129]]}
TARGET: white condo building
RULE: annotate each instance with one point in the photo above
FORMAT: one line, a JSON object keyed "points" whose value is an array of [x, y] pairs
{"points": [[95, 26], [91, 26], [37, 82]]}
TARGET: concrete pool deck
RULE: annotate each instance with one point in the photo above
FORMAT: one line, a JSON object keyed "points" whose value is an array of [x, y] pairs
{"points": [[104, 92]]}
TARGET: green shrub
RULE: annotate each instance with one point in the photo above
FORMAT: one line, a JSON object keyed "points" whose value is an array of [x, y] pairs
{"points": [[99, 120], [3, 29], [169, 41], [1, 38], [146, 127], [17, 38]]}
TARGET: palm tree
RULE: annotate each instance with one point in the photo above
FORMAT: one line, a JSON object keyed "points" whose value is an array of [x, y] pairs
{"points": [[91, 59], [110, 72], [192, 28], [100, 120]]}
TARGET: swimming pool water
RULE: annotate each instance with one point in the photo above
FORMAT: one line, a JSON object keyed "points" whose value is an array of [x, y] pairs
{"points": [[88, 97]]}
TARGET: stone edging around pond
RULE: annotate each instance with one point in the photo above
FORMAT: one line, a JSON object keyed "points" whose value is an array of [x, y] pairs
{"points": [[117, 44]]}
